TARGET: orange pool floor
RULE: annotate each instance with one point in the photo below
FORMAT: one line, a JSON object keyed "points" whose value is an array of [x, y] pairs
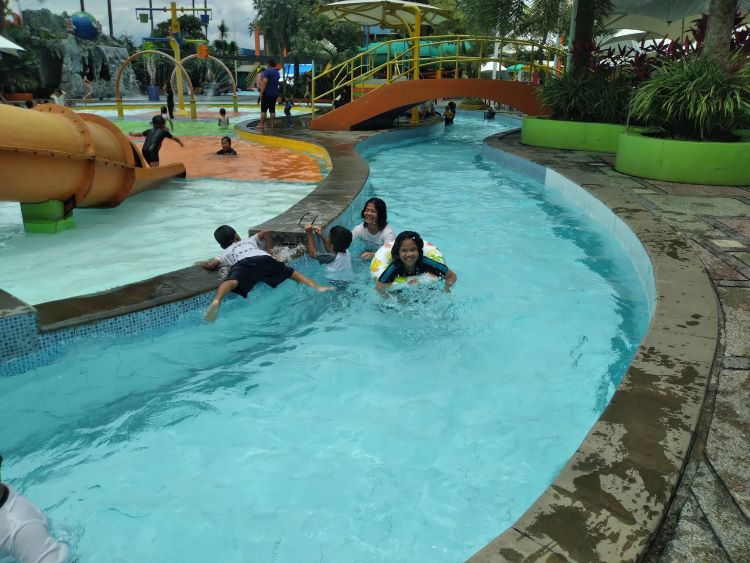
{"points": [[253, 161]]}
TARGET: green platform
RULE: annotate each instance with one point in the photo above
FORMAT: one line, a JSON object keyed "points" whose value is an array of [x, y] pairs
{"points": [[688, 162], [571, 135], [48, 217]]}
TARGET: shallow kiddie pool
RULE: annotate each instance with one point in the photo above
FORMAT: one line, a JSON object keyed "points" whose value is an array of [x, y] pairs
{"points": [[343, 427]]}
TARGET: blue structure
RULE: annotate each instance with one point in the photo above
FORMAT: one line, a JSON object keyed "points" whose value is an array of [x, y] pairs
{"points": [[85, 26]]}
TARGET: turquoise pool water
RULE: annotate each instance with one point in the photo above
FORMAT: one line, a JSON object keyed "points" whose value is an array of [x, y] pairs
{"points": [[343, 427]]}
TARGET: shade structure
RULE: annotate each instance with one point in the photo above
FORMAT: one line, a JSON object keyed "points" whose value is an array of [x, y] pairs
{"points": [[665, 10], [662, 18], [7, 46], [628, 38], [387, 13]]}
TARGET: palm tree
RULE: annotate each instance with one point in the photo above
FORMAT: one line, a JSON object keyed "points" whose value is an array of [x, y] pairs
{"points": [[223, 30], [721, 14]]}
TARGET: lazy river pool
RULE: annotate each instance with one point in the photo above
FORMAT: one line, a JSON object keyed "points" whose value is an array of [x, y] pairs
{"points": [[344, 427]]}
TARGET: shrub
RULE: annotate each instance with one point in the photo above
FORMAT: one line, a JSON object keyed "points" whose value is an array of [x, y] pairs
{"points": [[696, 98], [588, 96]]}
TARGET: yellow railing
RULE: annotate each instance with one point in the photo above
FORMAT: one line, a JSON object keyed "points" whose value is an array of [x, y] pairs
{"points": [[444, 56]]}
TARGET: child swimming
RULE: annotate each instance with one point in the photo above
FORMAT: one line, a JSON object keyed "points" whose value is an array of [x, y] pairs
{"points": [[338, 262], [374, 230], [223, 120], [408, 259]]}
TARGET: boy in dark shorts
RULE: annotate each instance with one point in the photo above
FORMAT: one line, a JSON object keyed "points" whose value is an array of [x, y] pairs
{"points": [[154, 138], [249, 263]]}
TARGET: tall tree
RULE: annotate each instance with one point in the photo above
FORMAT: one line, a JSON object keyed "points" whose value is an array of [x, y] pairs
{"points": [[721, 14], [223, 30]]}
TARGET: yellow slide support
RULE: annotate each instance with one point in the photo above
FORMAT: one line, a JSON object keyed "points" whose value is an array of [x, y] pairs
{"points": [[54, 159]]}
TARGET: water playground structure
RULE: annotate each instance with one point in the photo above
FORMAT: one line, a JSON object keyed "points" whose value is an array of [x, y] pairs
{"points": [[82, 160]]}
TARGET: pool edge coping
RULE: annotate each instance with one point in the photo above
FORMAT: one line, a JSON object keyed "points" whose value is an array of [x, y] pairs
{"points": [[610, 498]]}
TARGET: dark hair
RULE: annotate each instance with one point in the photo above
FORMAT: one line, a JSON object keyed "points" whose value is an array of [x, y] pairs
{"points": [[222, 111], [341, 238], [379, 205], [400, 240], [158, 121], [29, 105], [227, 138], [271, 63], [225, 236], [163, 109]]}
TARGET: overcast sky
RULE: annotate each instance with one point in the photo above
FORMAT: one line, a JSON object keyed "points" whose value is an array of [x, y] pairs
{"points": [[236, 13]]}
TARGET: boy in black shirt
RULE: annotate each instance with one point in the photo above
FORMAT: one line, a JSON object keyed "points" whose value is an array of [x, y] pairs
{"points": [[153, 140]]}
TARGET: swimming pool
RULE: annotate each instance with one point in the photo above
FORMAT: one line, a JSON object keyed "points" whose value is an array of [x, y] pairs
{"points": [[149, 234], [342, 427]]}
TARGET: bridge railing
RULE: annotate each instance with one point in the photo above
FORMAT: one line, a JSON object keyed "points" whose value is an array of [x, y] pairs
{"points": [[443, 56]]}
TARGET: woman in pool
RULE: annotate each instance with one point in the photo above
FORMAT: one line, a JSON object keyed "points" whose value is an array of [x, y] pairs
{"points": [[408, 260], [375, 230]]}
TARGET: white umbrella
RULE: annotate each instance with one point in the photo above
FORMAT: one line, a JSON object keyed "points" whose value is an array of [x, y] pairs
{"points": [[492, 66], [386, 13], [9, 47]]}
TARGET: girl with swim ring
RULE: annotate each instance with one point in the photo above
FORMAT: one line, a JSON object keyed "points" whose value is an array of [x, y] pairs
{"points": [[375, 230], [408, 260]]}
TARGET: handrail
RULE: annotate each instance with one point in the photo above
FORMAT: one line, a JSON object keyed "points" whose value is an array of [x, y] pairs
{"points": [[400, 66]]}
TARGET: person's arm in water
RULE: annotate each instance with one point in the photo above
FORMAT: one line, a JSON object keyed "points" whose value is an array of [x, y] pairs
{"points": [[450, 279], [136, 134], [211, 264], [382, 288], [177, 140]]}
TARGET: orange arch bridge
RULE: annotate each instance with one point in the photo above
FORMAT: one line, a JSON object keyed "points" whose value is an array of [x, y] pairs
{"points": [[404, 94]]}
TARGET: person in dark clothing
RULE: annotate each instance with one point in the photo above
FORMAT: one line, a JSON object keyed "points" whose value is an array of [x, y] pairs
{"points": [[269, 92], [226, 147], [170, 99], [154, 138]]}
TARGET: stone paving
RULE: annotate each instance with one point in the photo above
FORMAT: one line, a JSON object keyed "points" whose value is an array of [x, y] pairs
{"points": [[709, 516]]}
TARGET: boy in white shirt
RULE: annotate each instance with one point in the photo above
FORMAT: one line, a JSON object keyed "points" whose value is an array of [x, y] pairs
{"points": [[338, 261], [249, 263], [24, 535]]}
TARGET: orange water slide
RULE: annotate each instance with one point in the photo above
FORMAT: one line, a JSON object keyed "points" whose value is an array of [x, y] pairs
{"points": [[84, 160], [519, 95]]}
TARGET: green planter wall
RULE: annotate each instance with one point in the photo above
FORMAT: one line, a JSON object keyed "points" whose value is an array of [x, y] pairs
{"points": [[574, 135], [690, 162]]}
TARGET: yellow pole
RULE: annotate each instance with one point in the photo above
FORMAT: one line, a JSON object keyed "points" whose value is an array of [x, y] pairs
{"points": [[455, 72], [120, 109], [176, 50], [415, 59], [388, 73]]}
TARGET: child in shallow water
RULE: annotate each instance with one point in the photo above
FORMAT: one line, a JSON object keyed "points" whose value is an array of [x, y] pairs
{"points": [[408, 259], [226, 147], [249, 262], [338, 261], [374, 230]]}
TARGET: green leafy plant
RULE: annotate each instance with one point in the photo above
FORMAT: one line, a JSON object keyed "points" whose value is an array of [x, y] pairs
{"points": [[588, 96], [697, 99]]}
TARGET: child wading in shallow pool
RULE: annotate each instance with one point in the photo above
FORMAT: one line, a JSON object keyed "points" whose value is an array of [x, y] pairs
{"points": [[154, 137], [408, 259], [226, 147], [338, 261], [249, 263]]}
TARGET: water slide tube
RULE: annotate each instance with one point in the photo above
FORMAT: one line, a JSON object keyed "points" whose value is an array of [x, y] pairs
{"points": [[54, 159]]}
